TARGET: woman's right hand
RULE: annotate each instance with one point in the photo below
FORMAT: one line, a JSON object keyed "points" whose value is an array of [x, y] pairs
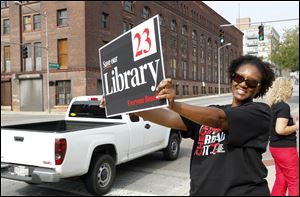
{"points": [[102, 102], [165, 91]]}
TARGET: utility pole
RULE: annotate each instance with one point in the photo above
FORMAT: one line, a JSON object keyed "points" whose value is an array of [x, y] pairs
{"points": [[219, 68]]}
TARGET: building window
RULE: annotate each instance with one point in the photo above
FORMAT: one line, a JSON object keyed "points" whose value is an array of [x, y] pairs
{"points": [[4, 4], [194, 35], [28, 60], [203, 90], [104, 20], [173, 25], [194, 71], [184, 69], [6, 26], [185, 90], [177, 89], [184, 47], [202, 73], [195, 90], [146, 12], [128, 6], [63, 53], [173, 43], [161, 20], [173, 67], [37, 22], [184, 30], [37, 56], [127, 26], [63, 92], [27, 23], [62, 17], [7, 67], [194, 52]]}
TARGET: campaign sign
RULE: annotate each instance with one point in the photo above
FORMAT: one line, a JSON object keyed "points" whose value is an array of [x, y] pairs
{"points": [[132, 67]]}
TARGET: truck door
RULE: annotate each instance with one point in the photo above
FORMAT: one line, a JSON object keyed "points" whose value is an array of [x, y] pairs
{"points": [[155, 134], [137, 135]]}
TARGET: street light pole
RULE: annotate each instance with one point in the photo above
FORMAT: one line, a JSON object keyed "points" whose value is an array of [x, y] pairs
{"points": [[219, 68], [47, 63], [46, 48]]}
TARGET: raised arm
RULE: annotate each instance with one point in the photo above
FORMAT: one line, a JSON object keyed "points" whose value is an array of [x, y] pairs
{"points": [[164, 117], [209, 116]]}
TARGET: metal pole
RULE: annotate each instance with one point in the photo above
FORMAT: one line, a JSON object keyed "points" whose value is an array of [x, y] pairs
{"points": [[219, 71], [47, 64], [219, 68]]}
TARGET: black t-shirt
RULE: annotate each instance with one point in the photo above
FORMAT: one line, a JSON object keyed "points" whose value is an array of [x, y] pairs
{"points": [[226, 163], [282, 110]]}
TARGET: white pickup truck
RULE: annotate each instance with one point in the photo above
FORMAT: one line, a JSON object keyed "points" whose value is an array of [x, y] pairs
{"points": [[86, 144]]}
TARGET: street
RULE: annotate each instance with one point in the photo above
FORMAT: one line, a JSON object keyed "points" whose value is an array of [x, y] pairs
{"points": [[149, 175]]}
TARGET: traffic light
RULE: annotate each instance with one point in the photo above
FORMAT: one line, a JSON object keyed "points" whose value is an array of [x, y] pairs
{"points": [[25, 52], [261, 33], [221, 37]]}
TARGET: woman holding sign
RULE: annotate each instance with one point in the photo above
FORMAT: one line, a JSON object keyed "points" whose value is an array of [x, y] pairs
{"points": [[228, 140]]}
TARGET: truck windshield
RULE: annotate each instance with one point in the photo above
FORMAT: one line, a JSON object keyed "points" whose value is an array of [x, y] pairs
{"points": [[89, 109]]}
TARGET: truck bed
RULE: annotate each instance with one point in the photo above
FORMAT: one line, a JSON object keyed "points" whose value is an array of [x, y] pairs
{"points": [[59, 126]]}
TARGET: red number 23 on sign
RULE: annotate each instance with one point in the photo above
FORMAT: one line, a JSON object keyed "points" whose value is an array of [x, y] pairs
{"points": [[148, 40]]}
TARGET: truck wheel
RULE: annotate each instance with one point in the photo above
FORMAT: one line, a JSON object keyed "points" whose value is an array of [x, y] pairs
{"points": [[101, 175], [171, 152]]}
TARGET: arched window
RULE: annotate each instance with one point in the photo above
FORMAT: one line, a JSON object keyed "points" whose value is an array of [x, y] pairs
{"points": [[194, 35], [161, 20], [146, 12], [184, 30], [173, 25]]}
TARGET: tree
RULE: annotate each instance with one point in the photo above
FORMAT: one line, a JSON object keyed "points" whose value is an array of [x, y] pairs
{"points": [[286, 55]]}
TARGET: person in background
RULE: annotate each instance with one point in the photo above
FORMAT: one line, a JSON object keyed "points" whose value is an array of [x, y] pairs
{"points": [[283, 145], [229, 140]]}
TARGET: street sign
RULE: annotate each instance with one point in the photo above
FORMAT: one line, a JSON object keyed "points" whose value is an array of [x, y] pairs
{"points": [[54, 66], [131, 68]]}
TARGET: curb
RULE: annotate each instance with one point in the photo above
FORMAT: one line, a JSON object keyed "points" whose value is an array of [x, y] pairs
{"points": [[30, 113]]}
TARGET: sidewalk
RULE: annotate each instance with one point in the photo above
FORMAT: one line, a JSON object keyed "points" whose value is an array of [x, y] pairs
{"points": [[3, 112], [271, 172]]}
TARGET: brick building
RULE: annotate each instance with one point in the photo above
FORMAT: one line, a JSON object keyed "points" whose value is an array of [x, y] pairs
{"points": [[76, 30]]}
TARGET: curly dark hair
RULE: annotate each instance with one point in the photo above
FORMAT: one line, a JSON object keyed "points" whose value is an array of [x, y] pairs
{"points": [[267, 73]]}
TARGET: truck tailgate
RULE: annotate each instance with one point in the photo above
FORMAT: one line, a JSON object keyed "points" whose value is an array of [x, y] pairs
{"points": [[28, 148]]}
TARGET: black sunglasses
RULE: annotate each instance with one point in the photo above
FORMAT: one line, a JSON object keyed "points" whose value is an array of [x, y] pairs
{"points": [[251, 83]]}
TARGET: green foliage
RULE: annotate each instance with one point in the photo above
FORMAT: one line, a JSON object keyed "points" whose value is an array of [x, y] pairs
{"points": [[286, 55]]}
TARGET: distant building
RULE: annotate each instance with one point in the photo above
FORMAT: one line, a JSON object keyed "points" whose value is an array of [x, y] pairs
{"points": [[76, 30], [252, 45]]}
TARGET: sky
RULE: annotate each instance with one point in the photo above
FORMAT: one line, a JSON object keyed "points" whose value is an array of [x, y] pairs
{"points": [[259, 11]]}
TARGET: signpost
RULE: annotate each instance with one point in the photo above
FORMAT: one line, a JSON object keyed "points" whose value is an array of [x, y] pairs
{"points": [[132, 67]]}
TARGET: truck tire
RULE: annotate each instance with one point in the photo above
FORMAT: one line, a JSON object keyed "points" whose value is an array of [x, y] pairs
{"points": [[101, 175], [171, 152]]}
